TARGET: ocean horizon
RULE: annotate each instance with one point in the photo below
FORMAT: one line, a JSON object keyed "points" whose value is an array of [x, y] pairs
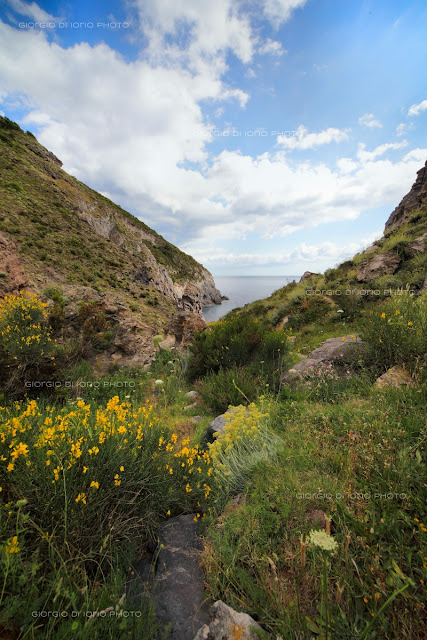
{"points": [[242, 290]]}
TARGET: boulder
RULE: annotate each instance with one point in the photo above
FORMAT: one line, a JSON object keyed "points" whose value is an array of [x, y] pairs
{"points": [[219, 422], [379, 265], [193, 395], [416, 246], [228, 624], [394, 377], [338, 350], [306, 275]]}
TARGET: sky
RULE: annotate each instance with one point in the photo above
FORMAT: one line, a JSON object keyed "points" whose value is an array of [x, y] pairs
{"points": [[263, 137]]}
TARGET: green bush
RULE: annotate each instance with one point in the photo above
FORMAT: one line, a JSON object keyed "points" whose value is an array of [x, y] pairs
{"points": [[239, 342], [396, 334], [225, 387]]}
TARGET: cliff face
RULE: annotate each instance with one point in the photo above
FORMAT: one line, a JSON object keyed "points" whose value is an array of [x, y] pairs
{"points": [[56, 231], [414, 199]]}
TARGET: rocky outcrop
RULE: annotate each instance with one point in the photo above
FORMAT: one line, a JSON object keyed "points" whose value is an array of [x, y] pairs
{"points": [[379, 265], [334, 350], [416, 246], [181, 328], [13, 277], [306, 275], [228, 624], [394, 377], [415, 198]]}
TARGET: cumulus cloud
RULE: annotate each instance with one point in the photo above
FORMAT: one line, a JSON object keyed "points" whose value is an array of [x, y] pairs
{"points": [[32, 11], [303, 140], [416, 109], [367, 156], [369, 120], [279, 11], [271, 47]]}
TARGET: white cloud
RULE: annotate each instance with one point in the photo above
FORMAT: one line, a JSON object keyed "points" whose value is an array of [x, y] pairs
{"points": [[303, 140], [205, 28], [320, 67], [416, 109], [271, 47], [31, 11], [367, 156], [369, 120], [279, 11]]}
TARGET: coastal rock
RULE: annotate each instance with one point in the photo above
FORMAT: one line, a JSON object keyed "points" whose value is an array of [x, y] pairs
{"points": [[379, 265], [306, 275], [337, 350], [394, 377], [228, 624], [415, 198]]}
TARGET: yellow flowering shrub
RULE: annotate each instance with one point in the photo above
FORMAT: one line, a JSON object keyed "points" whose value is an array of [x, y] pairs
{"points": [[25, 337]]}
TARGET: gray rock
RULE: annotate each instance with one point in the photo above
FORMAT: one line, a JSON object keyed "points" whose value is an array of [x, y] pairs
{"points": [[193, 395], [416, 246], [191, 406], [379, 265], [333, 350], [228, 624], [219, 422]]}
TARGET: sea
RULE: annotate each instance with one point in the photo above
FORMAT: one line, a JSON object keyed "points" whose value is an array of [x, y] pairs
{"points": [[243, 289]]}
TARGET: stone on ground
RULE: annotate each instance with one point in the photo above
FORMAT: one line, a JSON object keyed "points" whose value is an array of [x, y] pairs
{"points": [[228, 624]]}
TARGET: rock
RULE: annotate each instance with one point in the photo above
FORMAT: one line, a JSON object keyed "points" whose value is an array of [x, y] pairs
{"points": [[416, 246], [379, 265], [196, 418], [415, 198], [228, 624], [394, 377], [193, 395], [338, 350], [225, 298], [219, 422], [317, 518], [182, 327], [371, 249], [179, 592], [306, 275], [191, 406], [12, 273]]}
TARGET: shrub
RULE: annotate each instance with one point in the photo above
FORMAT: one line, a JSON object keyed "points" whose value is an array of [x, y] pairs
{"points": [[81, 489], [228, 387], [238, 342], [396, 334], [25, 339], [243, 444]]}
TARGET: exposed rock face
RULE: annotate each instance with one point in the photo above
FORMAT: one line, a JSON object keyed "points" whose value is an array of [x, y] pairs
{"points": [[228, 624], [394, 377], [379, 265], [416, 246], [12, 273], [415, 198], [337, 350], [306, 275], [181, 328]]}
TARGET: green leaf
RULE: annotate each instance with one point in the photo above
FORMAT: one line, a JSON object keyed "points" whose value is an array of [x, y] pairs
{"points": [[312, 626]]}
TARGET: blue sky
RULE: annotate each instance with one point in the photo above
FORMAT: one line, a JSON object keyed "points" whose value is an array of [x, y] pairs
{"points": [[260, 136]]}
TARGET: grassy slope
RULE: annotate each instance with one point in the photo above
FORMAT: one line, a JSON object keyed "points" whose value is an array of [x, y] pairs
{"points": [[38, 211]]}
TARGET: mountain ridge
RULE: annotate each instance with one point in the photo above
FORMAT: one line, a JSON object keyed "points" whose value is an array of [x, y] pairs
{"points": [[55, 231]]}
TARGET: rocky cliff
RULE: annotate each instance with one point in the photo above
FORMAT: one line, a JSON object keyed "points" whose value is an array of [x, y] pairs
{"points": [[414, 199], [58, 235]]}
